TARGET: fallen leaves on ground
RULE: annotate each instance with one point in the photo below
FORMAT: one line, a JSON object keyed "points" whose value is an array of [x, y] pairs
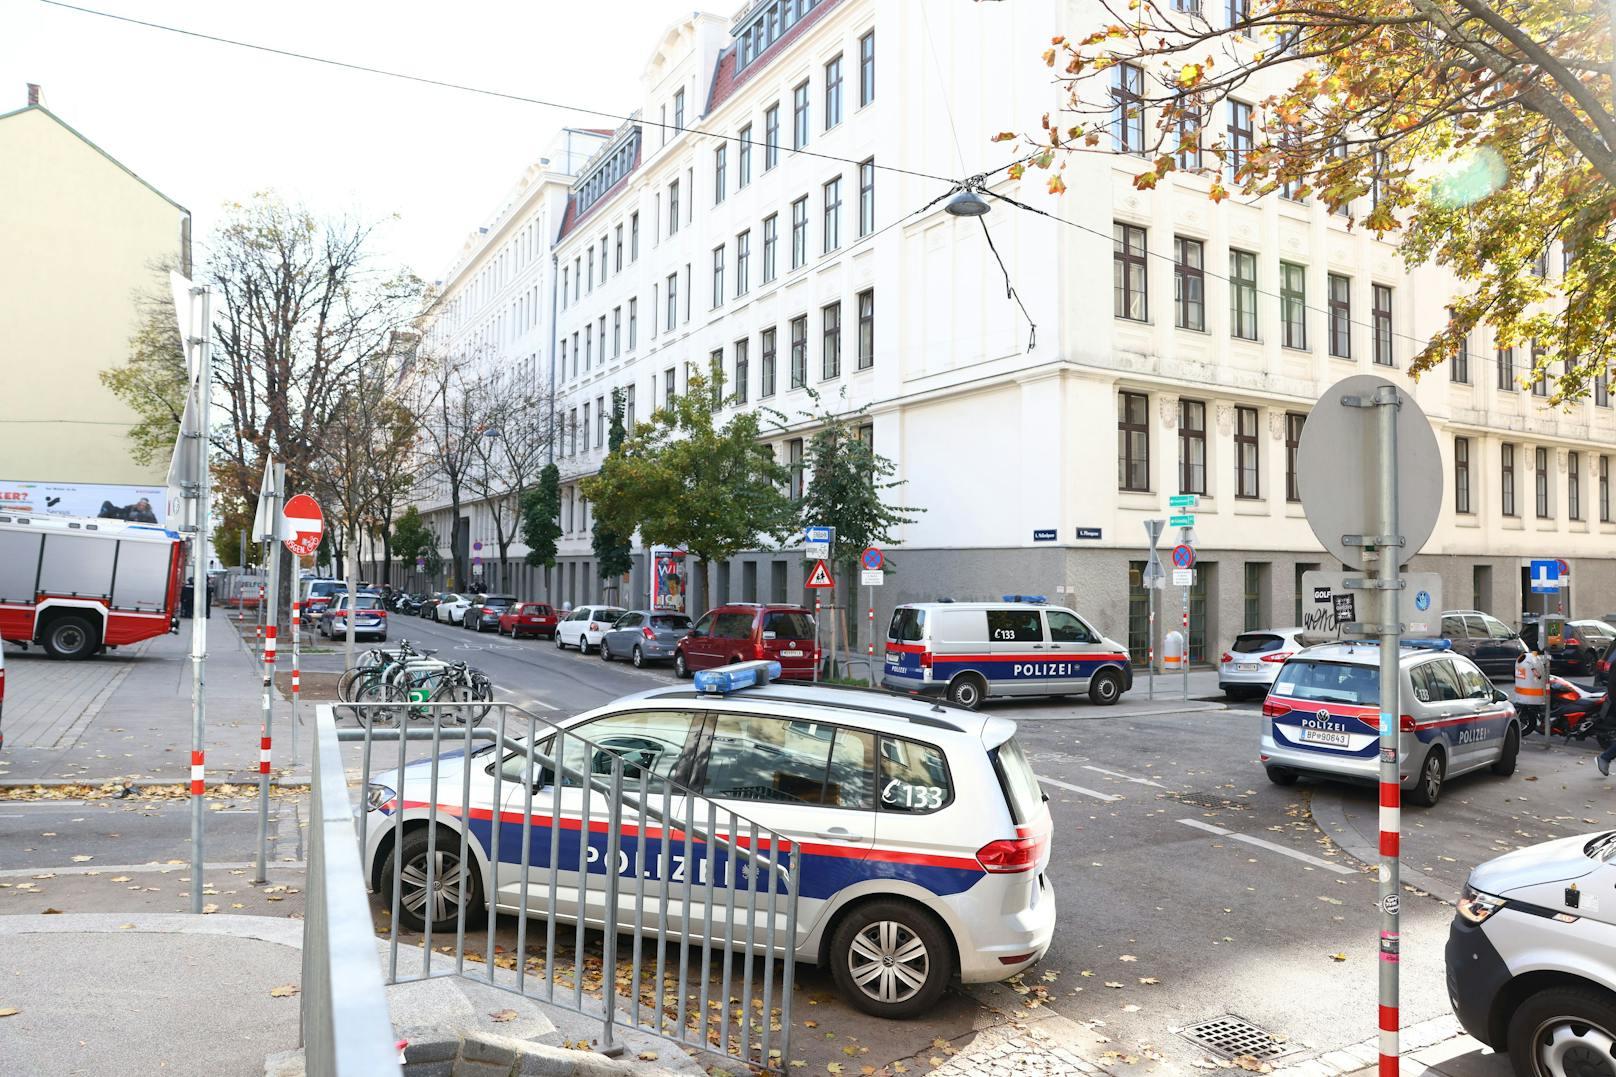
{"points": [[1338, 957], [1149, 981], [283, 991], [210, 907], [1253, 1065], [9, 1011], [502, 1016]]}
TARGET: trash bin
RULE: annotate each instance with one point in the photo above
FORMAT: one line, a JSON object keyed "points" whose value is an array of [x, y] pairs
{"points": [[187, 601]]}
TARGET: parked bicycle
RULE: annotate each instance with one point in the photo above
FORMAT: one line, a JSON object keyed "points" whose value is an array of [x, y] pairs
{"points": [[409, 689]]}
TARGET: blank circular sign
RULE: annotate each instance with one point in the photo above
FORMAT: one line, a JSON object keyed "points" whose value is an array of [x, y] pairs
{"points": [[1337, 470]]}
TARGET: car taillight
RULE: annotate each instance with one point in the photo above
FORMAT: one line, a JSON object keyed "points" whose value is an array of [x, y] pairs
{"points": [[647, 633], [1603, 666], [1008, 855], [1272, 708], [1406, 723], [925, 659], [1227, 657], [593, 627], [1279, 657], [381, 613]]}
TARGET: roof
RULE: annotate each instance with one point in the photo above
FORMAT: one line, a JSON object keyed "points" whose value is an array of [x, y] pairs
{"points": [[1367, 652], [571, 219], [726, 80], [76, 133], [123, 529], [846, 704]]}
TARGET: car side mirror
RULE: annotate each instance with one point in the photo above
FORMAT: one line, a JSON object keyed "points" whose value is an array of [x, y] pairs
{"points": [[1499, 697]]}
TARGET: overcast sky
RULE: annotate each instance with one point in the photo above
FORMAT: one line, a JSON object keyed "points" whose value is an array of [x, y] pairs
{"points": [[208, 124]]}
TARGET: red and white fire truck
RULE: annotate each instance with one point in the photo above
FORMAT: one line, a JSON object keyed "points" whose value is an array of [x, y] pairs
{"points": [[77, 585]]}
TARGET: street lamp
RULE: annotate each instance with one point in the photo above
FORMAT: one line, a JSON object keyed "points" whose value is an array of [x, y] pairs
{"points": [[967, 203]]}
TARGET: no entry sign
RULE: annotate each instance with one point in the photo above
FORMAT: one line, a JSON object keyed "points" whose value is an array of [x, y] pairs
{"points": [[305, 523]]}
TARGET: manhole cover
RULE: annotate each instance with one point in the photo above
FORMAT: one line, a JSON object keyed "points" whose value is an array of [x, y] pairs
{"points": [[1233, 1037], [1211, 801]]}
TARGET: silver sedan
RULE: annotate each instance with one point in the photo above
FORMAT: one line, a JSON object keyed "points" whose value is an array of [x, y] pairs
{"points": [[643, 636]]}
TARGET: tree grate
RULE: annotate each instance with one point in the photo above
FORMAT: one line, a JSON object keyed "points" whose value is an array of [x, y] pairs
{"points": [[1234, 1037]]}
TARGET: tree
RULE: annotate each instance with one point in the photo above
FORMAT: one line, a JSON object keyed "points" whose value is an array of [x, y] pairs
{"points": [[449, 396], [683, 481], [541, 518], [614, 550], [1481, 130], [511, 449], [152, 382], [411, 537], [389, 469]]}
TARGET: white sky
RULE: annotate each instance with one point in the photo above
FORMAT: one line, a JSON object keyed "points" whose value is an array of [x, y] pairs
{"points": [[208, 124]]}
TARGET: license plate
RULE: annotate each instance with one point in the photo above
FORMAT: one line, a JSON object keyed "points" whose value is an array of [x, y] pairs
{"points": [[1248, 667], [1325, 736], [790, 654]]}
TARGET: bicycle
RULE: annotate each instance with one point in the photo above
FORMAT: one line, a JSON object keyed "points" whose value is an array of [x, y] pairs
{"points": [[409, 690]]}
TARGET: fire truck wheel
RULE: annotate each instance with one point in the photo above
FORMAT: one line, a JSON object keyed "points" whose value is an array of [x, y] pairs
{"points": [[71, 636]]}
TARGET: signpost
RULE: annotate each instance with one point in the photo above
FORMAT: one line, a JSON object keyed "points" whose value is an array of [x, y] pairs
{"points": [[1336, 605], [1546, 581], [1184, 501], [1185, 520], [817, 539], [267, 528], [1152, 580], [872, 575], [1370, 475]]}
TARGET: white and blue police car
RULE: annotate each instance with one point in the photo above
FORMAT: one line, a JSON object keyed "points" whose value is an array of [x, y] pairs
{"points": [[924, 833], [1021, 646]]}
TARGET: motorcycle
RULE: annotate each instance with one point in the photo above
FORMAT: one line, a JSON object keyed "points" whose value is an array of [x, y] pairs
{"points": [[1575, 714]]}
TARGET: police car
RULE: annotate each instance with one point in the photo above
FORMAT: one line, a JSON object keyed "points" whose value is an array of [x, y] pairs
{"points": [[1322, 717], [1531, 956], [973, 651], [925, 833]]}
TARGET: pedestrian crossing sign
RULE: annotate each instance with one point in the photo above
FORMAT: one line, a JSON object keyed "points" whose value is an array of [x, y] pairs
{"points": [[820, 576]]}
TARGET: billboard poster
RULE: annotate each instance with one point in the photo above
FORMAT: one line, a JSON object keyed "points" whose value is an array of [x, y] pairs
{"points": [[140, 504], [668, 580]]}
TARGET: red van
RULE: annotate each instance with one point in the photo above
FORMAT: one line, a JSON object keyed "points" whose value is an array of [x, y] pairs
{"points": [[747, 631]]}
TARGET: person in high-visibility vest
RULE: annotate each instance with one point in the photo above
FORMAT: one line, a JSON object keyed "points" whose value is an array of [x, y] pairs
{"points": [[1532, 685]]}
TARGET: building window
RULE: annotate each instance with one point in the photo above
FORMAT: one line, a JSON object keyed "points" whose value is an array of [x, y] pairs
{"points": [[794, 462], [670, 385], [678, 110], [633, 322], [866, 69], [799, 116], [833, 214], [799, 232], [617, 332], [743, 262], [673, 301], [1243, 294], [1256, 594], [1602, 389], [586, 427], [830, 318], [1128, 269], [1191, 447], [1189, 283], [1239, 12], [743, 371], [720, 171], [1340, 316], [771, 137], [1247, 471], [866, 329], [1293, 305], [565, 280], [718, 276], [1127, 108], [1189, 137], [1574, 485], [628, 408], [1294, 421], [766, 364], [1540, 466], [799, 351], [1540, 377], [1133, 441], [743, 157], [715, 378], [634, 237], [589, 346], [1383, 325], [833, 92], [771, 243], [1506, 369], [1506, 476], [673, 207], [1241, 138], [1604, 489], [1461, 476], [617, 250], [1459, 367], [600, 421], [866, 220]]}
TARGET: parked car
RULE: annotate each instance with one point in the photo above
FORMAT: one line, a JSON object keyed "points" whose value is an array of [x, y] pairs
{"points": [[1531, 956], [451, 608], [370, 619], [1602, 667], [583, 627], [483, 614], [1485, 640], [1253, 660], [429, 604], [748, 631], [1574, 648], [317, 594], [643, 636], [527, 619]]}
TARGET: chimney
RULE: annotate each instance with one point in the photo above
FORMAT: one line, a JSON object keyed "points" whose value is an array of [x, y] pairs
{"points": [[36, 96]]}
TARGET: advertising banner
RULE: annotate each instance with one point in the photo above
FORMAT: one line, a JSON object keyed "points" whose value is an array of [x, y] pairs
{"points": [[139, 504], [668, 580]]}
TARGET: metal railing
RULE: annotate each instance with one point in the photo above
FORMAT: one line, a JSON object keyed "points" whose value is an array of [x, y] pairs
{"points": [[345, 1028], [705, 895]]}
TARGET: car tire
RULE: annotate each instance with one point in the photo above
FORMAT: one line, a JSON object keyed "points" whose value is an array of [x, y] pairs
{"points": [[680, 669], [605, 651], [1505, 765], [638, 657], [559, 645], [417, 844], [967, 690], [1105, 688], [868, 945], [1281, 776], [583, 643], [1428, 790], [1582, 1012], [72, 637]]}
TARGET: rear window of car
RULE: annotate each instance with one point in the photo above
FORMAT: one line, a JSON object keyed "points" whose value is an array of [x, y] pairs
{"points": [[607, 613], [908, 625], [368, 602], [789, 625], [1257, 643], [1021, 786], [1329, 682], [497, 600], [323, 588], [670, 620]]}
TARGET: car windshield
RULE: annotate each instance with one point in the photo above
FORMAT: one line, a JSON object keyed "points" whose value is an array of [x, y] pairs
{"points": [[1257, 643], [789, 625], [607, 613], [1329, 682], [670, 621]]}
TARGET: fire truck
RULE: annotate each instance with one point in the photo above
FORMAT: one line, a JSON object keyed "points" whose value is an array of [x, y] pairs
{"points": [[76, 586]]}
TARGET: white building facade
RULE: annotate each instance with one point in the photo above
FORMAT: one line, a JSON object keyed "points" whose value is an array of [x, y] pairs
{"points": [[763, 215]]}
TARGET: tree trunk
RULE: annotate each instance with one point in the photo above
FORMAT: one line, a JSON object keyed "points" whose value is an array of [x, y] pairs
{"points": [[387, 555], [456, 558], [353, 598]]}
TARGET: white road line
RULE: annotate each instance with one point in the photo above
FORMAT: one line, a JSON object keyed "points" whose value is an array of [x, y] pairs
{"points": [[538, 703], [1125, 777], [1107, 797], [1339, 869]]}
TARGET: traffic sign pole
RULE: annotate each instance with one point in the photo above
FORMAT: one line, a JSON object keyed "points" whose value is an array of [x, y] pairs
{"points": [[277, 480]]}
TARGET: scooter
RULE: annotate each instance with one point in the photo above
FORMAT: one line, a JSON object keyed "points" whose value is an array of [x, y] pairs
{"points": [[1574, 711]]}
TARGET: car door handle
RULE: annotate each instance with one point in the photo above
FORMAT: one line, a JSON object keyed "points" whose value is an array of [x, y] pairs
{"points": [[839, 833]]}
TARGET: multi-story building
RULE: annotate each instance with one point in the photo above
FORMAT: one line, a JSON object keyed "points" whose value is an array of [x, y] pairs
{"points": [[84, 238], [773, 213]]}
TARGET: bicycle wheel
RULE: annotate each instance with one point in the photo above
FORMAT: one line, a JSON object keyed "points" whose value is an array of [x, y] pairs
{"points": [[386, 705]]}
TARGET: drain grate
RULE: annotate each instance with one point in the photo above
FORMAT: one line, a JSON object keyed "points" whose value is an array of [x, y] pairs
{"points": [[1233, 1037], [1211, 801]]}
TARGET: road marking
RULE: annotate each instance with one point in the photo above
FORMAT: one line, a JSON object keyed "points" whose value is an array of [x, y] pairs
{"points": [[538, 703], [1107, 797], [113, 869], [46, 803], [1125, 777], [1339, 869]]}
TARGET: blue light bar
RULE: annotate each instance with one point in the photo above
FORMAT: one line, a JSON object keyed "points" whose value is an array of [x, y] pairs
{"points": [[1430, 644], [1034, 599], [729, 678]]}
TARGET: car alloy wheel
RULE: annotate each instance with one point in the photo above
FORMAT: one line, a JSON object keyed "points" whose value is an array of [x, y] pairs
{"points": [[639, 657], [888, 962], [1573, 1046]]}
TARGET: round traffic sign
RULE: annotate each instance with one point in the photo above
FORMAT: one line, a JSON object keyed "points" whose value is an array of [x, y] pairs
{"points": [[476, 545], [1338, 465], [872, 558], [1183, 556], [1564, 566], [305, 523], [476, 562]]}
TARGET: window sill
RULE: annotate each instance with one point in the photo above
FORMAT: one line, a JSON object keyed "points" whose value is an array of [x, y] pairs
{"points": [[1465, 519], [1250, 506], [1513, 523], [1343, 358]]}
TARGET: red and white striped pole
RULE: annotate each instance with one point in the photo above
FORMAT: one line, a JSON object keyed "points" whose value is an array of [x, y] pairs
{"points": [[272, 557], [297, 623], [197, 778]]}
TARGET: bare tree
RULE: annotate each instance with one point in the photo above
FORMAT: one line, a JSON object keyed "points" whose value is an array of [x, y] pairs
{"points": [[512, 449], [449, 402]]}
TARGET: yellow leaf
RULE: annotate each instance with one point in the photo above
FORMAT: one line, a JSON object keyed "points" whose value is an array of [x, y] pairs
{"points": [[9, 1011], [1338, 957], [81, 858], [1189, 74], [1150, 980], [210, 907], [283, 991], [1113, 984], [118, 879], [1057, 185], [1127, 957], [833, 1067], [1005, 136], [648, 1056], [502, 1016]]}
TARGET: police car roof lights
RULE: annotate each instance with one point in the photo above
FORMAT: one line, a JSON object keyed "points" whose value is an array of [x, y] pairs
{"points": [[730, 678], [1036, 600], [1430, 644]]}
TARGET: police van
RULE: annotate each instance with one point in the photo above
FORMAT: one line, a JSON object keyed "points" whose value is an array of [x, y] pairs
{"points": [[972, 651]]}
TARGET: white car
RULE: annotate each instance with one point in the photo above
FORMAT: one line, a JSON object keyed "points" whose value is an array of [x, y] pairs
{"points": [[1531, 956], [926, 834], [583, 627], [1253, 660], [452, 610]]}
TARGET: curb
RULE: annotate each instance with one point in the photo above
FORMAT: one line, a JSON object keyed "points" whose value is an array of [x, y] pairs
{"points": [[135, 788], [1366, 1053], [1330, 816], [280, 930]]}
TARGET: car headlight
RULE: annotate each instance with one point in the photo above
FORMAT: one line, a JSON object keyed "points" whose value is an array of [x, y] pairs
{"points": [[1475, 906], [377, 795]]}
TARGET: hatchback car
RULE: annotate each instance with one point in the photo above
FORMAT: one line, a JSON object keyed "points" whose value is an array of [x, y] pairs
{"points": [[527, 619], [583, 627], [1485, 640], [643, 636], [484, 613], [1253, 660], [317, 595], [1531, 956], [926, 835], [747, 631], [370, 622], [1322, 718], [1574, 648]]}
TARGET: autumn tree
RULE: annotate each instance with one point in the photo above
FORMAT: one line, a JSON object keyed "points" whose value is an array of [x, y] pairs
{"points": [[514, 443], [448, 397], [1479, 132], [152, 382], [411, 537]]}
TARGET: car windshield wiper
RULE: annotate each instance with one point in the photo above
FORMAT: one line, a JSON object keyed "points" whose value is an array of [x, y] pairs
{"points": [[1601, 848]]}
